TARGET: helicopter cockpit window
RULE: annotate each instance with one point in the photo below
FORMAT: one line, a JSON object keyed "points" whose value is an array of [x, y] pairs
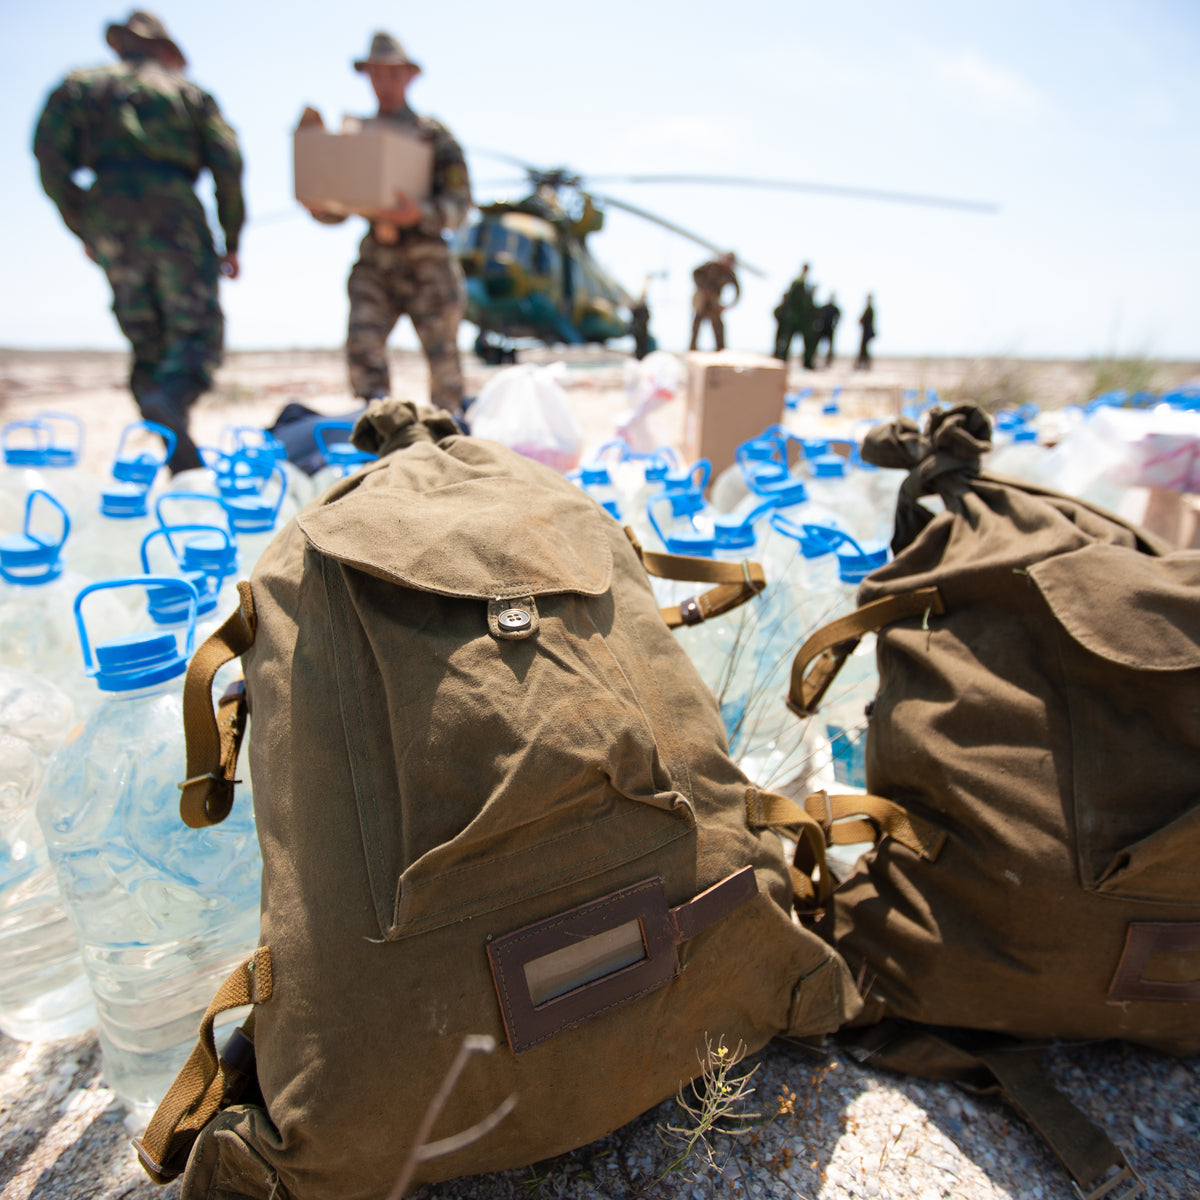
{"points": [[522, 250], [544, 259]]}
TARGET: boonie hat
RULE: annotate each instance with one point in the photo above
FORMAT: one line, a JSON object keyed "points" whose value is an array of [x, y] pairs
{"points": [[147, 27], [385, 51]]}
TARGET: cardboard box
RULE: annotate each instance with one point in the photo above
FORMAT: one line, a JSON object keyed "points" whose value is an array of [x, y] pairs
{"points": [[731, 397], [360, 168]]}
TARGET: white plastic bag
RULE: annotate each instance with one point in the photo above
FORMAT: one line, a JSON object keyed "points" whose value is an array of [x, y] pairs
{"points": [[526, 409], [649, 384]]}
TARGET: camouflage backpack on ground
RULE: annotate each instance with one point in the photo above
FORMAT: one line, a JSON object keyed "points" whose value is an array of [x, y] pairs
{"points": [[1039, 706], [495, 805]]}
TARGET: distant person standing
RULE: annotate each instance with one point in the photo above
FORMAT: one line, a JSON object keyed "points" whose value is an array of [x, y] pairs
{"points": [[404, 263], [639, 327], [147, 132], [797, 314], [867, 321], [828, 316], [708, 304]]}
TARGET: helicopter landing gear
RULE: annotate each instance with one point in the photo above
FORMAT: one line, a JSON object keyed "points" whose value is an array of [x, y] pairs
{"points": [[494, 353]]}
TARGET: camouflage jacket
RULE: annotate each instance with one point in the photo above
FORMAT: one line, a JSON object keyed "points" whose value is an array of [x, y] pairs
{"points": [[450, 194], [143, 129], [712, 277]]}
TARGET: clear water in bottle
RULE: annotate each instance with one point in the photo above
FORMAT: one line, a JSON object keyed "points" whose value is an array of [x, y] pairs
{"points": [[44, 993], [162, 912]]}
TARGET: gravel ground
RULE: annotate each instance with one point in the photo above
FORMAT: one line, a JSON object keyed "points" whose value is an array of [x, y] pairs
{"points": [[826, 1127]]}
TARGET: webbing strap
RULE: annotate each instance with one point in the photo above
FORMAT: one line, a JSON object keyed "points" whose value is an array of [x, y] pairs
{"points": [[197, 1094], [818, 661], [736, 582], [867, 818], [214, 738], [812, 882], [984, 1061], [1097, 1166]]}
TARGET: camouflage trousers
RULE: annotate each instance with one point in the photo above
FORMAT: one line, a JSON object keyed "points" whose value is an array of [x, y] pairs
{"points": [[418, 276], [164, 276], [708, 307], [165, 299]]}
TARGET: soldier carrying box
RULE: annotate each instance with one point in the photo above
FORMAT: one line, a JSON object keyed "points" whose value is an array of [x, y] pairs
{"points": [[404, 263]]}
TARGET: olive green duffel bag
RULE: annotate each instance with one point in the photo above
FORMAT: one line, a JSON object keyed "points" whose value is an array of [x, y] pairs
{"points": [[1039, 705], [496, 808]]}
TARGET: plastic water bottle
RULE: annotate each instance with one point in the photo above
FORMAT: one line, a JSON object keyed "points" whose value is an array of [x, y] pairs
{"points": [[256, 519], [37, 596], [594, 478], [44, 993], [641, 476], [106, 545], [843, 717], [37, 457], [341, 456], [162, 912]]}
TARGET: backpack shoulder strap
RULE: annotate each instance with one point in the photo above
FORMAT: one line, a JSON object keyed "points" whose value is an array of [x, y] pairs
{"points": [[214, 738], [996, 1063], [736, 582], [819, 660]]}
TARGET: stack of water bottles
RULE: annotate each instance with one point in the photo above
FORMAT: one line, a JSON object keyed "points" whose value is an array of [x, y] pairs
{"points": [[112, 912], [818, 520]]}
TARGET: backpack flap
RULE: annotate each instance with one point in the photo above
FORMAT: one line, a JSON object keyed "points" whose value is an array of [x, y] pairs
{"points": [[1129, 627]]}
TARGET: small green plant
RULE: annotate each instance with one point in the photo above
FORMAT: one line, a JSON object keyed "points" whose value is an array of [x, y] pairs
{"points": [[712, 1103], [993, 384], [1133, 374]]}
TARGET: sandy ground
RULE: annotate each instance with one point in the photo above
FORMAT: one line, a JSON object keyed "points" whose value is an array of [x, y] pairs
{"points": [[847, 1131]]}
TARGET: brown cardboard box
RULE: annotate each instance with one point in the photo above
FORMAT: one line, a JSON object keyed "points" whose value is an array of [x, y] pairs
{"points": [[360, 168], [731, 397]]}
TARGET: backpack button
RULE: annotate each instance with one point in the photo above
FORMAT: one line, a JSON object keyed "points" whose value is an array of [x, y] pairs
{"points": [[512, 619]]}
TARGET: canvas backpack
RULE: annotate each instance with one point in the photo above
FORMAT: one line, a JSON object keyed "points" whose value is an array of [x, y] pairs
{"points": [[1039, 708], [496, 808]]}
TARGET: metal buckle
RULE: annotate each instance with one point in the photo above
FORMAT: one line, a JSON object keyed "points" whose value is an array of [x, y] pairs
{"points": [[1121, 1176], [147, 1161], [826, 821], [214, 776]]}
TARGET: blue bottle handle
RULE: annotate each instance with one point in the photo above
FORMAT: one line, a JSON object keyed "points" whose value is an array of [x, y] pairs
{"points": [[142, 581], [165, 531], [205, 497]]}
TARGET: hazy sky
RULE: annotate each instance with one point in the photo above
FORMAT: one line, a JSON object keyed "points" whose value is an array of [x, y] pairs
{"points": [[1079, 120]]}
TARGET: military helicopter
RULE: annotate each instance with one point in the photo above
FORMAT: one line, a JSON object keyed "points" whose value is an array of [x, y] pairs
{"points": [[530, 273]]}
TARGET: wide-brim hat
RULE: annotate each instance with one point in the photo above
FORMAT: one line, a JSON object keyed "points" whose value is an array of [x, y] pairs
{"points": [[385, 51], [146, 27]]}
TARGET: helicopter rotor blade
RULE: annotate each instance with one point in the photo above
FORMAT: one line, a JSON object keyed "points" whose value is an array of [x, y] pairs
{"points": [[685, 233], [796, 185]]}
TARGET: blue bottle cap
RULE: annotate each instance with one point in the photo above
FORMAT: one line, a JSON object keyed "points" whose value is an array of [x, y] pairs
{"points": [[828, 466], [170, 606], [695, 543], [256, 513], [143, 466], [124, 501], [594, 473], [138, 660], [784, 492], [21, 453], [855, 563], [29, 558], [732, 533], [28, 561]]}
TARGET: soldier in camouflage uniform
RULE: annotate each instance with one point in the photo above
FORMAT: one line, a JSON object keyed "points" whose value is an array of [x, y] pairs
{"points": [[404, 264], [797, 314], [147, 133], [711, 279]]}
